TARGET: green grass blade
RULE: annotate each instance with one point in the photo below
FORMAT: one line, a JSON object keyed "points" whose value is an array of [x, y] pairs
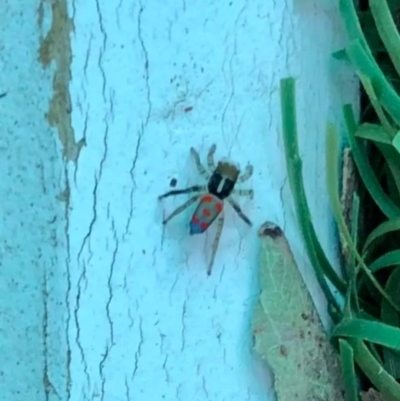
{"points": [[367, 84], [387, 30], [373, 132], [361, 57], [294, 166], [352, 23], [392, 170], [365, 170], [333, 184], [391, 258], [396, 142], [379, 377], [391, 317], [367, 330], [383, 229], [366, 65], [348, 370]]}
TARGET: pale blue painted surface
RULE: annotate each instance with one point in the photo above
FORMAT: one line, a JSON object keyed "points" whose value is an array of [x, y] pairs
{"points": [[132, 313], [31, 216]]}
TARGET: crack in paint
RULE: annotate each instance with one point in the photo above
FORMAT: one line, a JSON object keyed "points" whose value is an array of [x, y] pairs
{"points": [[183, 326], [173, 286], [48, 386], [139, 348], [69, 284], [105, 152], [101, 370], [102, 49], [117, 14], [127, 390], [109, 283], [231, 80], [86, 64], [164, 366], [205, 388], [147, 117], [178, 392], [94, 217], [77, 326]]}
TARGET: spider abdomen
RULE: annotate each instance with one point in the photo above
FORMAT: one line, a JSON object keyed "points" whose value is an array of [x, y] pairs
{"points": [[208, 209]]}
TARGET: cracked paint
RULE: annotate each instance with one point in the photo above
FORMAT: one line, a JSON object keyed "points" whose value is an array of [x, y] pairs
{"points": [[139, 83]]}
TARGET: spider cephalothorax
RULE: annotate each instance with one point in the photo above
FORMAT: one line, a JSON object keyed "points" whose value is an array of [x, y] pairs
{"points": [[220, 187]]}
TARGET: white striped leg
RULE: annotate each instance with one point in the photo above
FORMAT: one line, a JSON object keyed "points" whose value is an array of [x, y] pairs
{"points": [[220, 224], [182, 208]]}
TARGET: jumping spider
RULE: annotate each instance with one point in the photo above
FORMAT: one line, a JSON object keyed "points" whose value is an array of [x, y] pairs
{"points": [[220, 187]]}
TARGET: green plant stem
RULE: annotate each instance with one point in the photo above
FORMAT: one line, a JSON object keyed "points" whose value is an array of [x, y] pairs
{"points": [[367, 174], [348, 370], [383, 381], [366, 65], [352, 23], [294, 167], [387, 30], [333, 184]]}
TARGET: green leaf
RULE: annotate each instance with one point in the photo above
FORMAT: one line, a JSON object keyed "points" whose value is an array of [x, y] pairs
{"points": [[315, 252], [288, 333], [349, 374], [390, 316], [352, 23], [367, 330], [387, 29], [391, 258], [392, 170], [367, 84], [379, 377], [396, 142], [366, 173], [367, 66], [333, 183], [373, 132], [387, 227]]}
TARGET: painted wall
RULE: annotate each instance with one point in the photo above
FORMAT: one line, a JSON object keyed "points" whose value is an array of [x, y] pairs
{"points": [[99, 301]]}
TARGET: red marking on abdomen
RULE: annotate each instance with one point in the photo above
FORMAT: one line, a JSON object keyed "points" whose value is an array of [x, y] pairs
{"points": [[195, 219], [204, 225], [207, 212], [207, 198], [219, 206]]}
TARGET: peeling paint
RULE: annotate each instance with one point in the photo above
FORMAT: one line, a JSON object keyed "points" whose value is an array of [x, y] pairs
{"points": [[56, 47], [33, 285]]}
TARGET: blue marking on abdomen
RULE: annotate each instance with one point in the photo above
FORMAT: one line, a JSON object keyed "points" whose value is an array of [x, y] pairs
{"points": [[195, 228]]}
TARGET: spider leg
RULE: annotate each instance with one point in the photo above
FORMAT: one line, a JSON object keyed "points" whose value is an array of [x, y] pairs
{"points": [[220, 224], [243, 192], [194, 188], [210, 157], [248, 172], [238, 210], [181, 208], [199, 165]]}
